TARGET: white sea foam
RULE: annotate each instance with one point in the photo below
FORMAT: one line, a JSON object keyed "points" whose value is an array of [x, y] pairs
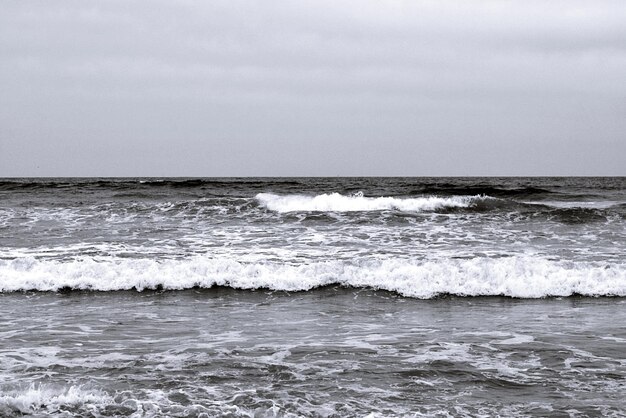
{"points": [[44, 399], [524, 276], [336, 202]]}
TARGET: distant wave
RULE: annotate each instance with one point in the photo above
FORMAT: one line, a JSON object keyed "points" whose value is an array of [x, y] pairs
{"points": [[335, 202], [482, 189], [572, 213], [18, 184], [521, 277]]}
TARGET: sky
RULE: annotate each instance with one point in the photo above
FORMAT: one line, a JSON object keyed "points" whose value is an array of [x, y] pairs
{"points": [[312, 88]]}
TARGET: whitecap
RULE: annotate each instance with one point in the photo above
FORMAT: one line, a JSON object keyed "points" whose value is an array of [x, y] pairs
{"points": [[521, 276], [335, 202]]}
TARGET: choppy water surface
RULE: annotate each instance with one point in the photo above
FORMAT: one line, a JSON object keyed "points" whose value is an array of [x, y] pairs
{"points": [[312, 297], [418, 237], [329, 352]]}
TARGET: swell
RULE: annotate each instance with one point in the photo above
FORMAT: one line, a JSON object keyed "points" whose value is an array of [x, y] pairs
{"points": [[543, 212], [139, 183], [451, 189], [519, 277], [521, 187], [464, 204], [19, 184]]}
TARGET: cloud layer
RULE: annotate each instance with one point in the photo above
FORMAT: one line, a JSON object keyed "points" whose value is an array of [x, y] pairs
{"points": [[312, 88]]}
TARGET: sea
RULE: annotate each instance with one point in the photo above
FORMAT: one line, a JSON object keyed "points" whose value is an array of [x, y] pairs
{"points": [[313, 297]]}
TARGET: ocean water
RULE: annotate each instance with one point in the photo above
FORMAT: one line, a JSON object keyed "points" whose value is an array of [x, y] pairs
{"points": [[323, 297]]}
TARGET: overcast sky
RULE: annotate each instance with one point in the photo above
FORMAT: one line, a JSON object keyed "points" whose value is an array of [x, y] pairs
{"points": [[299, 88]]}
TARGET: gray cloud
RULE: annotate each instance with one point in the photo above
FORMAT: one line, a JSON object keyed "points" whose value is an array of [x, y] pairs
{"points": [[312, 88]]}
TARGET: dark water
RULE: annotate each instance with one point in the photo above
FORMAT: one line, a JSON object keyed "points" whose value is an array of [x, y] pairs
{"points": [[313, 297]]}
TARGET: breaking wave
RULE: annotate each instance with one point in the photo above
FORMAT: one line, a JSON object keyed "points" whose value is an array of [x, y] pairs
{"points": [[521, 277], [50, 400], [336, 202]]}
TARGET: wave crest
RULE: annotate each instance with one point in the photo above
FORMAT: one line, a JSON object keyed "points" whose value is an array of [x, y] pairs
{"points": [[335, 202], [523, 277]]}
